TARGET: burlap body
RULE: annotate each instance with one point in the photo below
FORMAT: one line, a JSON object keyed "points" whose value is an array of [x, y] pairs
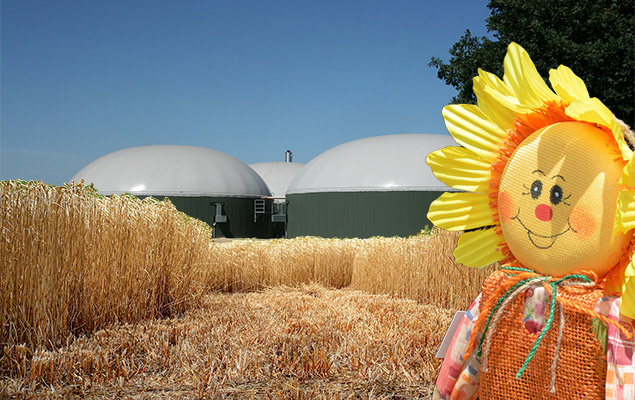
{"points": [[581, 366]]}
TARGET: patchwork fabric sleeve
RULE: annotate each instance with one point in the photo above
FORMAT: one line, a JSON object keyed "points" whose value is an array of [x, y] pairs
{"points": [[459, 378], [620, 353]]}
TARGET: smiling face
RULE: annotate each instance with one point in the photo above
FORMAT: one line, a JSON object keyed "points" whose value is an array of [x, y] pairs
{"points": [[557, 200]]}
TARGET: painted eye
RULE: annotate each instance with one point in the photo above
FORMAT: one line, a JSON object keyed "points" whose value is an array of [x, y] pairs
{"points": [[536, 189], [555, 195]]}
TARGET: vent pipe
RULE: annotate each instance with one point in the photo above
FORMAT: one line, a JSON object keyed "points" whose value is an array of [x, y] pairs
{"points": [[288, 156]]}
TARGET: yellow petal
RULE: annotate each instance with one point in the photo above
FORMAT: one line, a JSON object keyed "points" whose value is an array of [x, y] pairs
{"points": [[628, 173], [471, 128], [567, 84], [478, 248], [493, 81], [628, 292], [590, 110], [625, 216], [594, 111], [499, 107], [460, 211], [524, 80], [460, 168]]}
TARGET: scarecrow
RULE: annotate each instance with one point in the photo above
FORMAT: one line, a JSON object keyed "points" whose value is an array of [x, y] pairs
{"points": [[547, 188]]}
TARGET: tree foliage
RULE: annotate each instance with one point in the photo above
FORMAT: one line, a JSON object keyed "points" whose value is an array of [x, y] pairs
{"points": [[595, 38]]}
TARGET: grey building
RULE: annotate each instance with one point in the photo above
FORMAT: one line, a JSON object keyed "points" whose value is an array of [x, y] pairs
{"points": [[204, 183], [278, 176], [377, 186]]}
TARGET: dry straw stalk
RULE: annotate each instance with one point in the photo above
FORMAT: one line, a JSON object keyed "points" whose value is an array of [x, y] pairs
{"points": [[74, 262]]}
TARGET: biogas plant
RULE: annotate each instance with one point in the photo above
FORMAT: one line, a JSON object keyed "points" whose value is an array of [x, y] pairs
{"points": [[376, 186]]}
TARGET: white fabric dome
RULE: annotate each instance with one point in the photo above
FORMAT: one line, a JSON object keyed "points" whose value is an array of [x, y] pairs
{"points": [[277, 175], [167, 170], [378, 163]]}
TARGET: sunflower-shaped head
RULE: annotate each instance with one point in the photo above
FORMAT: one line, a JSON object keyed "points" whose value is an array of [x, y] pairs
{"points": [[557, 200], [544, 177]]}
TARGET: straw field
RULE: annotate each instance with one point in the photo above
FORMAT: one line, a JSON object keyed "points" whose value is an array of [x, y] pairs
{"points": [[73, 261], [115, 296]]}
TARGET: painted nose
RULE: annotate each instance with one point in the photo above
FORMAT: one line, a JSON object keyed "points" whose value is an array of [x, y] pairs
{"points": [[544, 212]]}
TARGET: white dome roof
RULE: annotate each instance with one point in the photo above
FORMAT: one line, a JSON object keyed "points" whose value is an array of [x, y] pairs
{"points": [[167, 170], [277, 175], [378, 163]]}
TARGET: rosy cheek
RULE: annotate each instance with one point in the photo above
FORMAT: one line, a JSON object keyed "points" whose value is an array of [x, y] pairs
{"points": [[582, 222], [505, 206]]}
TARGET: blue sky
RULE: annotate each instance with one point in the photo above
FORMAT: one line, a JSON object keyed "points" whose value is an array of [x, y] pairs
{"points": [[80, 79]]}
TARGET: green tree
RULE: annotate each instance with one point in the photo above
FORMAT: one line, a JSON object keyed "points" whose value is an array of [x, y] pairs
{"points": [[595, 38]]}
